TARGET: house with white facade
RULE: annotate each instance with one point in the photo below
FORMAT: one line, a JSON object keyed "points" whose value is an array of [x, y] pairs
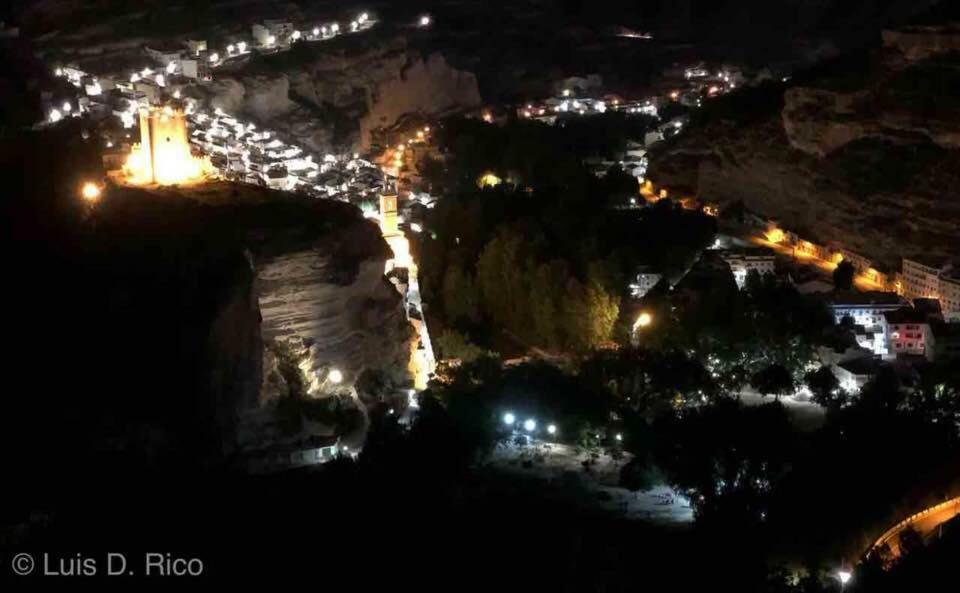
{"points": [[164, 54], [744, 260], [907, 332], [645, 280], [865, 310], [853, 374], [271, 33], [934, 280]]}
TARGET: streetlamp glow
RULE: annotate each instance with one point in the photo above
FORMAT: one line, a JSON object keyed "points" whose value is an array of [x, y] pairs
{"points": [[425, 20], [214, 58], [67, 107], [90, 191], [335, 376], [509, 419], [844, 576], [530, 425], [55, 115], [316, 31], [643, 320], [552, 428], [619, 437]]}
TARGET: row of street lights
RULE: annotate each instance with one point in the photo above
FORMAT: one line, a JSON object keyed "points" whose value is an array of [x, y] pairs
{"points": [[529, 425]]}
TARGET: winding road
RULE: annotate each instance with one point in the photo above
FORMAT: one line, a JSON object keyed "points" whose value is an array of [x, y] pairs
{"points": [[924, 522]]}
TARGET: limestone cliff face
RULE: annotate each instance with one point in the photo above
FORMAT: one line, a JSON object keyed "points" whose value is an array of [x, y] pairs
{"points": [[333, 99], [819, 121], [234, 354], [346, 320], [920, 43], [428, 86], [906, 94], [867, 159], [203, 279]]}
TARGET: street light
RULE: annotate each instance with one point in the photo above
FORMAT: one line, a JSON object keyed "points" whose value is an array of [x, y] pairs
{"points": [[509, 419], [643, 320], [530, 425], [335, 376], [552, 428], [425, 20], [844, 576], [90, 191]]}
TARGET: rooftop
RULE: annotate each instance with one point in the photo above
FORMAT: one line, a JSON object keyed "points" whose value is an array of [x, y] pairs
{"points": [[852, 298], [905, 315], [861, 366]]}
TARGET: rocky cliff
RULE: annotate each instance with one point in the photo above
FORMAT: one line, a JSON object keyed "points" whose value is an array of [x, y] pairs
{"points": [[864, 154], [332, 98], [186, 290], [907, 93]]}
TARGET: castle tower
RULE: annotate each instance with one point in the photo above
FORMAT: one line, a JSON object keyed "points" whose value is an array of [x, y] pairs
{"points": [[163, 155]]}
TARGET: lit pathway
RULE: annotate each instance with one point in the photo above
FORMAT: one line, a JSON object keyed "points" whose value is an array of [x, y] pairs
{"points": [[861, 281]]}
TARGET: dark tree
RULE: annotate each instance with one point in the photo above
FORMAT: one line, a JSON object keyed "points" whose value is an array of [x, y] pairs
{"points": [[843, 276], [773, 380], [824, 386], [910, 541]]}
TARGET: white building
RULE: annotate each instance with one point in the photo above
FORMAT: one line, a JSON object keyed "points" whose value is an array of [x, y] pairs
{"points": [[644, 282], [907, 332], [164, 54], [272, 32], [698, 71], [866, 310], [854, 374], [195, 46], [311, 451], [941, 282], [748, 259]]}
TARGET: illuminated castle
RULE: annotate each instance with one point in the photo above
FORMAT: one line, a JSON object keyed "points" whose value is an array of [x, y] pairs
{"points": [[163, 155]]}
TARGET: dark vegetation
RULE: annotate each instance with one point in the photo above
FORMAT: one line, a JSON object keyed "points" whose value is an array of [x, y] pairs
{"points": [[545, 255], [806, 498]]}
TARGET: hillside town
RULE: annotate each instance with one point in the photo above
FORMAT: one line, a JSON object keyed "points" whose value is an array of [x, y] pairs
{"points": [[668, 290]]}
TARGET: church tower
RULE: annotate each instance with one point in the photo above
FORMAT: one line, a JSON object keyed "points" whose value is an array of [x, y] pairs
{"points": [[388, 215]]}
